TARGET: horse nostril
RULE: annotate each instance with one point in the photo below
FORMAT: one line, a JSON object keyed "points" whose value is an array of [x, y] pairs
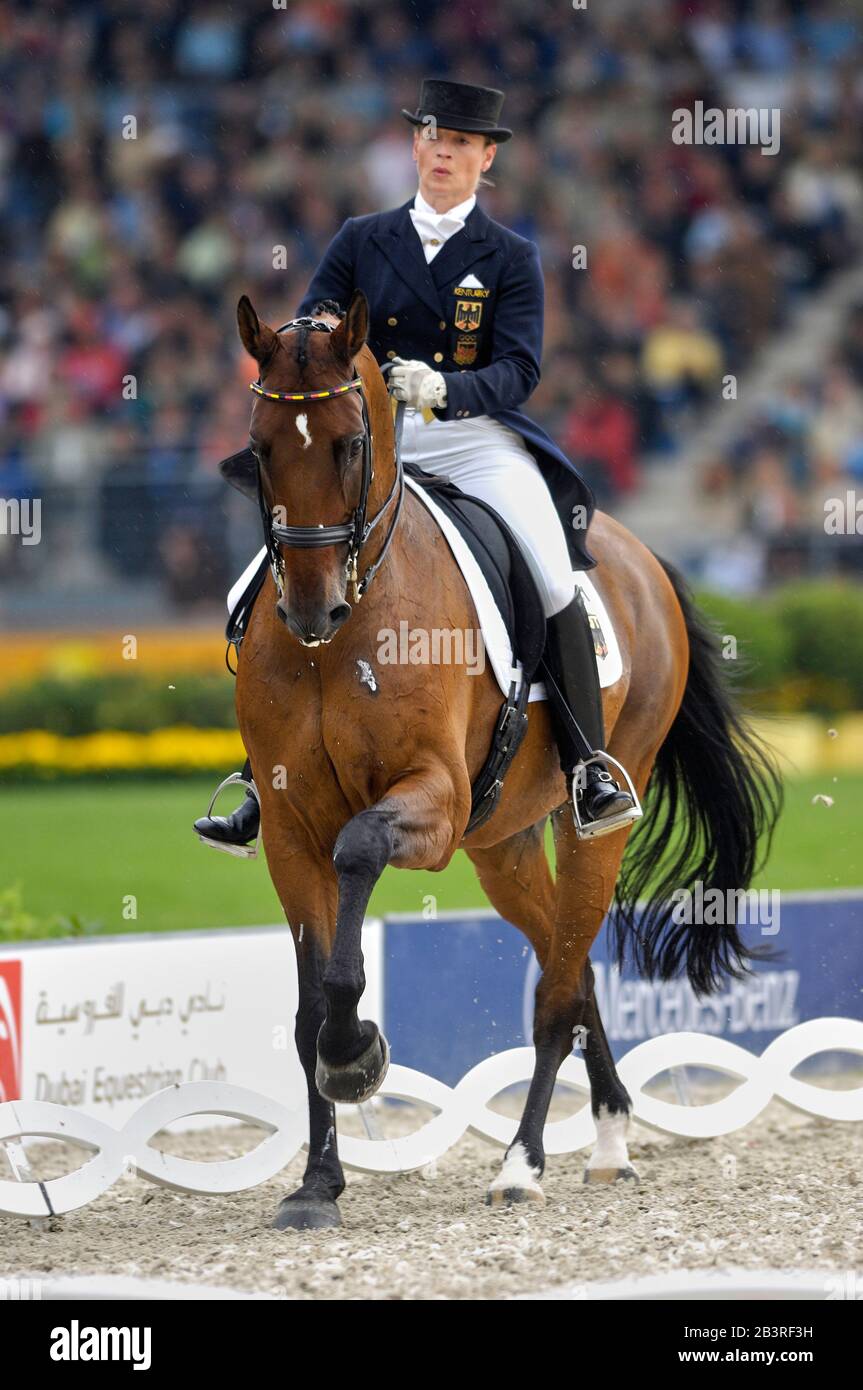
{"points": [[340, 614]]}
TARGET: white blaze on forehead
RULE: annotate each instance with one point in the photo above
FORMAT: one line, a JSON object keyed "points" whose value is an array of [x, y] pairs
{"points": [[303, 427]]}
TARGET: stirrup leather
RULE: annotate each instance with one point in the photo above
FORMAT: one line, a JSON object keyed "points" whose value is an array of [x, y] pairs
{"points": [[240, 851], [592, 830]]}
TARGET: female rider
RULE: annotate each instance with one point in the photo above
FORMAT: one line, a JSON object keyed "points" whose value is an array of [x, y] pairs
{"points": [[456, 305]]}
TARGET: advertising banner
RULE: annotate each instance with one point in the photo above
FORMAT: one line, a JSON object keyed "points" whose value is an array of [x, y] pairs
{"points": [[102, 1023]]}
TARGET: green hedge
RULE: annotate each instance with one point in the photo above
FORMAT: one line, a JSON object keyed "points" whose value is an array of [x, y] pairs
{"points": [[801, 646], [131, 703], [17, 924], [798, 648]]}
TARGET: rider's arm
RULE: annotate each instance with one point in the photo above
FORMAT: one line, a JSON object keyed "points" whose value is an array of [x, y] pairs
{"points": [[334, 277], [516, 347]]}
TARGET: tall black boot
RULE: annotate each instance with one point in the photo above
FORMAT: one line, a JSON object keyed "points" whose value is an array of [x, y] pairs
{"points": [[235, 832], [575, 704]]}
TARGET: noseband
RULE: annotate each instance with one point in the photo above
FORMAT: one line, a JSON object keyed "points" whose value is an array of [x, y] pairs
{"points": [[355, 532]]}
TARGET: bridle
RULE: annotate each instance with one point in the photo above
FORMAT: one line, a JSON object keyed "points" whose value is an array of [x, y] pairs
{"points": [[356, 531]]}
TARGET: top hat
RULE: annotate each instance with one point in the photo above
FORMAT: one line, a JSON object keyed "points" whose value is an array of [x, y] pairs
{"points": [[460, 106]]}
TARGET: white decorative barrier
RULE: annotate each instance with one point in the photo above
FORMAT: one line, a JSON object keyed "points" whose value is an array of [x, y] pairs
{"points": [[460, 1108], [734, 1285]]}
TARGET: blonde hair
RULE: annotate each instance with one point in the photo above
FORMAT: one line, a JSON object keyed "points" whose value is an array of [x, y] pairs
{"points": [[482, 181]]}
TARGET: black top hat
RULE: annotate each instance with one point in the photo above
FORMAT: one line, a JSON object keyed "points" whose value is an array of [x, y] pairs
{"points": [[459, 106]]}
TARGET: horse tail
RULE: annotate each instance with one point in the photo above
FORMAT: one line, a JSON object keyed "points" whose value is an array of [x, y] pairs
{"points": [[714, 795]]}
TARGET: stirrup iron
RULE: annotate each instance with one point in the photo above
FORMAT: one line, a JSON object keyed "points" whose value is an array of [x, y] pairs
{"points": [[592, 830], [239, 851]]}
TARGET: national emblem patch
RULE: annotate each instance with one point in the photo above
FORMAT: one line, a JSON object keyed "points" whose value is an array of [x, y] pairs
{"points": [[468, 313]]}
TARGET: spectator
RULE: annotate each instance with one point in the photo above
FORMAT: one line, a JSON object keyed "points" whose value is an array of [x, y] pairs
{"points": [[257, 132]]}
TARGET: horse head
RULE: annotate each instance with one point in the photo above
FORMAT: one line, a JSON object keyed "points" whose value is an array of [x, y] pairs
{"points": [[320, 409]]}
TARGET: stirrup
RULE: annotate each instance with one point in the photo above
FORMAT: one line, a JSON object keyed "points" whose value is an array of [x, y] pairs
{"points": [[592, 830], [239, 851]]}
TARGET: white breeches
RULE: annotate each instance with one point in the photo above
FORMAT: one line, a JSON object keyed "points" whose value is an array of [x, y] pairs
{"points": [[492, 462]]}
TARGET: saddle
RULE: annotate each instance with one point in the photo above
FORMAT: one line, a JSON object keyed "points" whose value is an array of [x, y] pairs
{"points": [[499, 557], [497, 552]]}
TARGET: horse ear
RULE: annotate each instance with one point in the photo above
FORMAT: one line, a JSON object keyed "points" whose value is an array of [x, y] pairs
{"points": [[351, 334], [241, 471], [257, 338]]}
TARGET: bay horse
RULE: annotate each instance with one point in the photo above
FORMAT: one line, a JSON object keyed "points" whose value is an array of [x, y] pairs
{"points": [[356, 773]]}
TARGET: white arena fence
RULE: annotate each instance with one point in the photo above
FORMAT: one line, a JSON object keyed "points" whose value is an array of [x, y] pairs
{"points": [[134, 1034]]}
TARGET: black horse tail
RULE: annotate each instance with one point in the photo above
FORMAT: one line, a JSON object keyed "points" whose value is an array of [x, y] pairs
{"points": [[713, 800]]}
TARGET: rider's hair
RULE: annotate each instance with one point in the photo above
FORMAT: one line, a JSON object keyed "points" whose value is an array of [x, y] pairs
{"points": [[484, 182]]}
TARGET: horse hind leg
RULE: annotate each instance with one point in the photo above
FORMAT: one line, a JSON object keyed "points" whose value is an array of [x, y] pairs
{"points": [[586, 873], [516, 876], [611, 1105]]}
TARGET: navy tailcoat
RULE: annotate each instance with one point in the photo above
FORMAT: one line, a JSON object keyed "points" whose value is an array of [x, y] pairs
{"points": [[485, 339]]}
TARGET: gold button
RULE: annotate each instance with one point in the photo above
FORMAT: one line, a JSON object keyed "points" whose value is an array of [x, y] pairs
{"points": [[438, 357], [442, 323], [391, 355], [434, 241], [392, 322]]}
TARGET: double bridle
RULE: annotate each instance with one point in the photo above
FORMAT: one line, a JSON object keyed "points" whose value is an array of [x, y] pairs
{"points": [[356, 531]]}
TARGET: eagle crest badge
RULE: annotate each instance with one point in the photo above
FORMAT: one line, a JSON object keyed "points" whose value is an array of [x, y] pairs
{"points": [[468, 313]]}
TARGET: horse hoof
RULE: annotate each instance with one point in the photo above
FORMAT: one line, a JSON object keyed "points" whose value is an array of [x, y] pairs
{"points": [[356, 1081], [508, 1196], [607, 1175], [306, 1214]]}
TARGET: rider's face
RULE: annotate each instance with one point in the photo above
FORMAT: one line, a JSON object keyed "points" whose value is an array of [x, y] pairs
{"points": [[449, 166]]}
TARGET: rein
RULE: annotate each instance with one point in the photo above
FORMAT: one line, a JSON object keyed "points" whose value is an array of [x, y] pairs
{"points": [[357, 530]]}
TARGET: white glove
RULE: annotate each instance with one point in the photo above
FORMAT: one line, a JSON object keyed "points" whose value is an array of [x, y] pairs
{"points": [[417, 384]]}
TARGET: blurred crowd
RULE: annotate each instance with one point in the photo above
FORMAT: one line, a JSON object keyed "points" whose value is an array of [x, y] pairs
{"points": [[161, 157], [788, 476]]}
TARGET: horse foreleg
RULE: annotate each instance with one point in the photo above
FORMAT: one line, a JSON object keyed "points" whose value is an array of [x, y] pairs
{"points": [[306, 886], [314, 1204], [413, 826]]}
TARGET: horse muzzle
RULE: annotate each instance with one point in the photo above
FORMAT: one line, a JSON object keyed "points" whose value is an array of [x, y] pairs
{"points": [[317, 629]]}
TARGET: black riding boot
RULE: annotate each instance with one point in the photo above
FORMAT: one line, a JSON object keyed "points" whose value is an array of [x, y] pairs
{"points": [[240, 827], [572, 685]]}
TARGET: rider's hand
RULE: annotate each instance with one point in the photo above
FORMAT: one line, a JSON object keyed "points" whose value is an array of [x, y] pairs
{"points": [[417, 384]]}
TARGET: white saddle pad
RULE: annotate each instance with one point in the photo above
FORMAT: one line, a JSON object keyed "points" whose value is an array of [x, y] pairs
{"points": [[494, 634]]}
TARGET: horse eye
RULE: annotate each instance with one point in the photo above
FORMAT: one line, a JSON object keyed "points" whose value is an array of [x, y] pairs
{"points": [[356, 445]]}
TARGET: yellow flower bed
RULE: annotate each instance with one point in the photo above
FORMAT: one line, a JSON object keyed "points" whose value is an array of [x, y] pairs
{"points": [[804, 744], [27, 656], [179, 748], [811, 743]]}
